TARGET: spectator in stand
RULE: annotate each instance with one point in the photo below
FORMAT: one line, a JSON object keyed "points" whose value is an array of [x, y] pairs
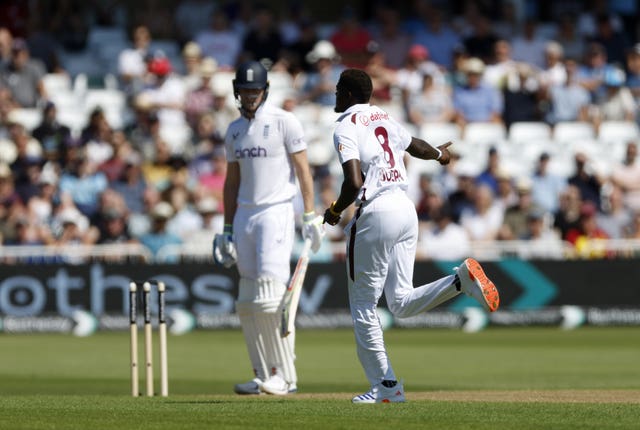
{"points": [[211, 182], [263, 40], [509, 23], [443, 239], [192, 62], [528, 47], [542, 241], [382, 77], [392, 41], [158, 236], [6, 44], [587, 237], [98, 147], [220, 41], [351, 39], [633, 75], [483, 221], [320, 84], [567, 102], [131, 184], [26, 150], [515, 225], [41, 205], [489, 176], [26, 181], [71, 227], [587, 182], [461, 199], [410, 78], [566, 217], [223, 112], [430, 199], [546, 187], [159, 169], [200, 100], [23, 76], [297, 51], [438, 37], [83, 183], [507, 188], [618, 103], [522, 96], [96, 125], [432, 104], [476, 102], [481, 41], [113, 168], [614, 42], [502, 69], [633, 229], [593, 70], [626, 175], [132, 62], [567, 36], [166, 97], [615, 216], [51, 134], [185, 220], [554, 71]]}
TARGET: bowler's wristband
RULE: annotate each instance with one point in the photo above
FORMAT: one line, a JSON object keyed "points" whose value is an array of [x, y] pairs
{"points": [[332, 211], [439, 153]]}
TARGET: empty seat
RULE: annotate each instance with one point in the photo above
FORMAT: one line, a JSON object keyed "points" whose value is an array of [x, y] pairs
{"points": [[567, 132], [485, 133], [617, 131], [439, 132], [525, 131], [56, 82]]}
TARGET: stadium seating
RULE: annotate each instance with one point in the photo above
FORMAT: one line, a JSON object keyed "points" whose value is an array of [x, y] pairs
{"points": [[611, 132], [568, 132], [526, 132], [439, 133], [485, 133]]}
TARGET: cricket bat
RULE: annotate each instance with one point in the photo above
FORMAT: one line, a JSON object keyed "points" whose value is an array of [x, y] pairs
{"points": [[292, 295]]}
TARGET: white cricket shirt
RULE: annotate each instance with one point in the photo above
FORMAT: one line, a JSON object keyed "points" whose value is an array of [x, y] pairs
{"points": [[261, 147], [367, 133]]}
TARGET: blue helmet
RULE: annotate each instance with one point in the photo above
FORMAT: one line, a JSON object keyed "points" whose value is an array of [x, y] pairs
{"points": [[251, 75]]}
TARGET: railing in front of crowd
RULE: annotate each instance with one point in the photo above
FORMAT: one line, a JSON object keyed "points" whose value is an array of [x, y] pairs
{"points": [[200, 252]]}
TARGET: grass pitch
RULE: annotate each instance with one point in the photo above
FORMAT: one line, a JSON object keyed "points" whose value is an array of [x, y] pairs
{"points": [[515, 378]]}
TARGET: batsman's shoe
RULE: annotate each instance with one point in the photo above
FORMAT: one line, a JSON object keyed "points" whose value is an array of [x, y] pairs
{"points": [[278, 386], [475, 283], [251, 387], [382, 394]]}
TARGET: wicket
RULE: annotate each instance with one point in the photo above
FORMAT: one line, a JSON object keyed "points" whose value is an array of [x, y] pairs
{"points": [[148, 334]]}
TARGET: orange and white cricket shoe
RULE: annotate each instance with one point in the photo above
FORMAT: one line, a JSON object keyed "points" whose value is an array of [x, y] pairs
{"points": [[382, 394], [475, 283]]}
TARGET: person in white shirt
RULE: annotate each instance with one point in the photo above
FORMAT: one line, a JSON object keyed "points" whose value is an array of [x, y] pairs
{"points": [[383, 233], [266, 151]]}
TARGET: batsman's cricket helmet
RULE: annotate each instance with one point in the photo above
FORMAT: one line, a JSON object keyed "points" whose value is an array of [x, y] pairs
{"points": [[250, 75]]}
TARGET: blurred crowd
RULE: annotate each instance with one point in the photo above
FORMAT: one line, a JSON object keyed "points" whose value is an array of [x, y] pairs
{"points": [[155, 175]]}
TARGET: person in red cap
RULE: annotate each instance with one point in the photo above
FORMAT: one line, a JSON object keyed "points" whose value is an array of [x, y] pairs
{"points": [[410, 78]]}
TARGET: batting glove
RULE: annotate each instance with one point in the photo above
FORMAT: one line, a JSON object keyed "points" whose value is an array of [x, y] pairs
{"points": [[313, 230], [224, 251]]}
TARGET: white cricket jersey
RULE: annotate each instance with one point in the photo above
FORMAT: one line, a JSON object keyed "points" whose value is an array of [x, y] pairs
{"points": [[261, 147], [367, 133]]}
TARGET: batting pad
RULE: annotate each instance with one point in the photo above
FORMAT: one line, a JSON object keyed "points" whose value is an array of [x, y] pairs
{"points": [[279, 351], [245, 307]]}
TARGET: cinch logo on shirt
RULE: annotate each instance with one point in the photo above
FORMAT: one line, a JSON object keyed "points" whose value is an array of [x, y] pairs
{"points": [[254, 152]]}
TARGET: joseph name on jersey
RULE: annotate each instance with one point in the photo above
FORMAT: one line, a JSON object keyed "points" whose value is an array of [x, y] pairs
{"points": [[257, 146], [382, 144]]}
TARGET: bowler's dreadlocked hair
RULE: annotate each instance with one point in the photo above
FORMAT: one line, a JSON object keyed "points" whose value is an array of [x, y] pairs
{"points": [[358, 83]]}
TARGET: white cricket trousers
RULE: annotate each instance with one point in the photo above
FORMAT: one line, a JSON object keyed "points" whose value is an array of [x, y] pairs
{"points": [[264, 240], [380, 257]]}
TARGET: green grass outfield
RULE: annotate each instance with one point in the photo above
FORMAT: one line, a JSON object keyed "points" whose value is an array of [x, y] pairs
{"points": [[501, 378]]}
